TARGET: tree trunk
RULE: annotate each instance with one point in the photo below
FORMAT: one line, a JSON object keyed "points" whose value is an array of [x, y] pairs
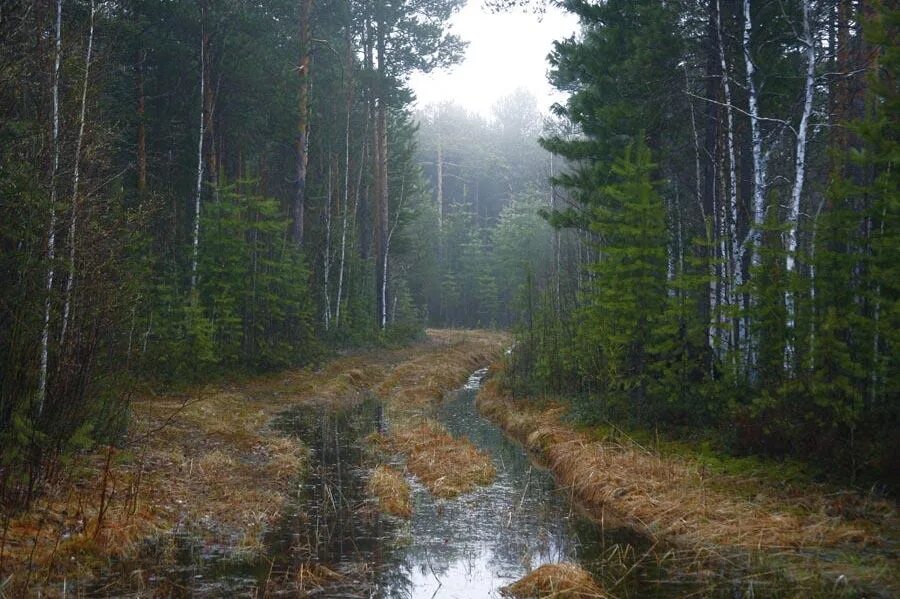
{"points": [[346, 197], [141, 127], [198, 191], [711, 132], [73, 218], [326, 260], [734, 267], [381, 186], [440, 180], [799, 173], [51, 230], [302, 143], [212, 158], [759, 164]]}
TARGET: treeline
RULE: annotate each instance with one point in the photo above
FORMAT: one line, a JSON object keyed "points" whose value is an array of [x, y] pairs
{"points": [[189, 188], [489, 179], [733, 178]]}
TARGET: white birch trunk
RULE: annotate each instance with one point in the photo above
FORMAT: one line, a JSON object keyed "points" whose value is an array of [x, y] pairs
{"points": [[327, 257], [346, 202], [724, 270], [759, 162], [199, 188], [51, 233], [697, 169], [799, 170], [732, 257], [70, 281]]}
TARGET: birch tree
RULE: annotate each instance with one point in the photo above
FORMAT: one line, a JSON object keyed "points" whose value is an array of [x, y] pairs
{"points": [[198, 190], [793, 217], [73, 214], [51, 229]]}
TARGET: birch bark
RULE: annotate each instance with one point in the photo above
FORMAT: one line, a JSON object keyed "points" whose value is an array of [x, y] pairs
{"points": [[799, 172], [70, 280], [735, 279], [51, 230], [759, 164], [195, 242]]}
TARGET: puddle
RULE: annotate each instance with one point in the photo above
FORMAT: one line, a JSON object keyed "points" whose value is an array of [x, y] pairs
{"points": [[465, 547]]}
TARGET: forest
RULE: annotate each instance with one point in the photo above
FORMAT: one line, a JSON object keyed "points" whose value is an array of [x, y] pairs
{"points": [[208, 199]]}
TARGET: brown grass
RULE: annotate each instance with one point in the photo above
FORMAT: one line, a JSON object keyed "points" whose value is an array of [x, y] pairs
{"points": [[206, 461], [446, 465], [423, 380], [391, 490], [676, 500], [561, 581], [312, 578]]}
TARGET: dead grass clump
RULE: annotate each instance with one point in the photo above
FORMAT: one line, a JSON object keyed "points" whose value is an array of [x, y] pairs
{"points": [[314, 577], [562, 581], [391, 490], [425, 378], [665, 496], [446, 465], [284, 457]]}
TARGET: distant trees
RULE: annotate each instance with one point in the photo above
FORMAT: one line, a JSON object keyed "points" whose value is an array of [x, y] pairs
{"points": [[489, 181], [734, 283]]}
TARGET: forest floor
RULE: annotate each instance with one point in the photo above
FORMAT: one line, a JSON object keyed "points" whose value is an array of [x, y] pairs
{"points": [[812, 539], [209, 462]]}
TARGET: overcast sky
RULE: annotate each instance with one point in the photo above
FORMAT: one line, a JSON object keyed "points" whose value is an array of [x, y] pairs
{"points": [[506, 51]]}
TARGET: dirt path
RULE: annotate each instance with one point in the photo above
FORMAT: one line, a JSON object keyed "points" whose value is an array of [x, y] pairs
{"points": [[209, 464]]}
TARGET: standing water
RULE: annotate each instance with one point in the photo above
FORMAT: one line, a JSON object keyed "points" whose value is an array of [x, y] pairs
{"points": [[466, 547], [335, 543], [472, 545]]}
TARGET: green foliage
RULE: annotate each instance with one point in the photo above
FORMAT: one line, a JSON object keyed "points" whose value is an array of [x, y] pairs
{"points": [[722, 337], [628, 294]]}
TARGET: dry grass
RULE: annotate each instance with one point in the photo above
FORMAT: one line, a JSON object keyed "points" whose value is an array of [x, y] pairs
{"points": [[207, 461], [561, 581], [446, 465], [675, 500], [391, 490], [424, 379], [312, 578]]}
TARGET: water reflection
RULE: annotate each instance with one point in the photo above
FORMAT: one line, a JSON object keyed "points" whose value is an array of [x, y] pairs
{"points": [[466, 547], [473, 545]]}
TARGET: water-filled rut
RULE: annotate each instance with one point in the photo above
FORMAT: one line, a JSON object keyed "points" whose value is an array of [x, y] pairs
{"points": [[468, 546], [334, 542]]}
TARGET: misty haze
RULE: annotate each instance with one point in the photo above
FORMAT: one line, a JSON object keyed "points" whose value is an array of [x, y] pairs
{"points": [[449, 298]]}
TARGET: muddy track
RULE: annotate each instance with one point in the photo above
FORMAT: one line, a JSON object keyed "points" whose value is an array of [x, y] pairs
{"points": [[209, 464]]}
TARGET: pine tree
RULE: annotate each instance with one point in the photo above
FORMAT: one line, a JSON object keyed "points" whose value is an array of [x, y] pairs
{"points": [[629, 293]]}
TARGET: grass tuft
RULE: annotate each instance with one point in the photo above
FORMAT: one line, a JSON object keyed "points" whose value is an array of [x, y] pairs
{"points": [[446, 465], [561, 581], [391, 490]]}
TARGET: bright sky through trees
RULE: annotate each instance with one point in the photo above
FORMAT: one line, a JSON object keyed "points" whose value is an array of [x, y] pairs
{"points": [[506, 51]]}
